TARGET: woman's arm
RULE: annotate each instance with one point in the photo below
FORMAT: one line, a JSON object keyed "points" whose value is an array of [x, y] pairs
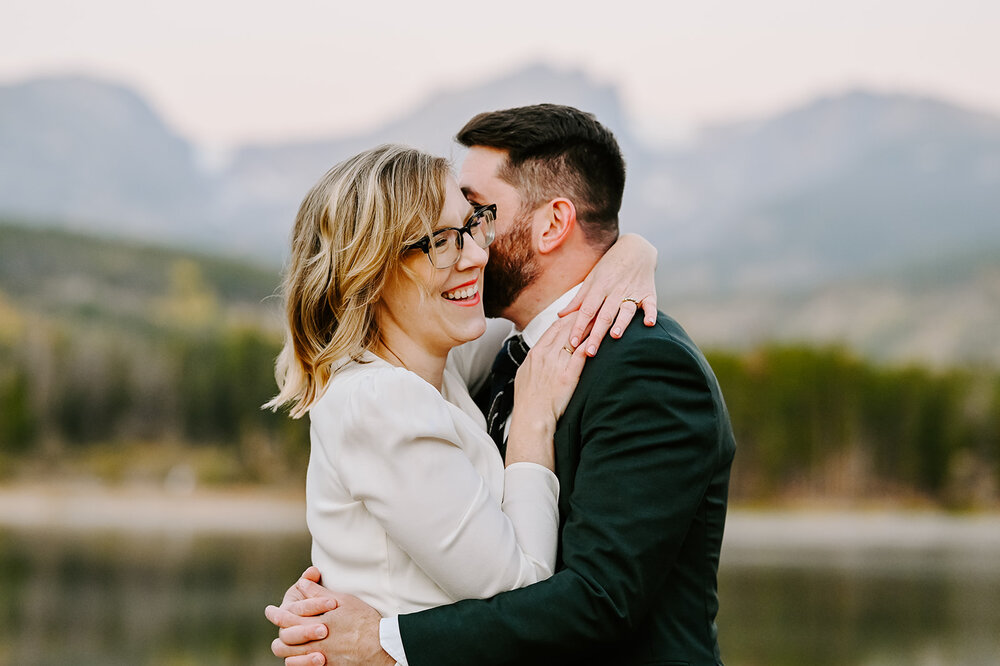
{"points": [[627, 270], [621, 282], [401, 455], [542, 388]]}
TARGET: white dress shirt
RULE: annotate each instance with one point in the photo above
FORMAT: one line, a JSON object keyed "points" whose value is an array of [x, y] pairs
{"points": [[470, 357]]}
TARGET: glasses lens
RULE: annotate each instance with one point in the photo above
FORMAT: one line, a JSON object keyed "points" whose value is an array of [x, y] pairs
{"points": [[444, 248], [482, 225]]}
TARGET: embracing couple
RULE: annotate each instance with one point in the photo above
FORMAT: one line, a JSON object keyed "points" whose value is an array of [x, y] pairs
{"points": [[497, 491]]}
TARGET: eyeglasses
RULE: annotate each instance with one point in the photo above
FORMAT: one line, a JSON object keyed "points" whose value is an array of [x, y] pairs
{"points": [[444, 247]]}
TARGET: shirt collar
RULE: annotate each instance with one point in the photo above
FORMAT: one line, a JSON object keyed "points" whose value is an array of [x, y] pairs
{"points": [[540, 323]]}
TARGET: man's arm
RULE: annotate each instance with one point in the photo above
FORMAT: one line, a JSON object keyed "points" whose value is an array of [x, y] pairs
{"points": [[650, 432]]}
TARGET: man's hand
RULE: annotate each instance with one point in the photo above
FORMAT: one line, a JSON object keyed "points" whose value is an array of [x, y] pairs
{"points": [[346, 632]]}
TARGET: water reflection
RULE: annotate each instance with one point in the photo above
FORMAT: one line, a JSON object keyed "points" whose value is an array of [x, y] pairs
{"points": [[114, 599], [127, 599], [879, 615]]}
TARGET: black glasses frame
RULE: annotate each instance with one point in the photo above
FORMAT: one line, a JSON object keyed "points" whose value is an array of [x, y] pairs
{"points": [[424, 244]]}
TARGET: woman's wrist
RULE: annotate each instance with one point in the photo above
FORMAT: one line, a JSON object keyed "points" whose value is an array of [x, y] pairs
{"points": [[530, 440], [638, 247]]}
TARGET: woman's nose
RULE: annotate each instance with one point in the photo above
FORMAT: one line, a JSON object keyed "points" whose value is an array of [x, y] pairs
{"points": [[472, 255]]}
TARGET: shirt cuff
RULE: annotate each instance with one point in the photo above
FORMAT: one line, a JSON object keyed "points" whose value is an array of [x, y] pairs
{"points": [[524, 474], [531, 502], [391, 639]]}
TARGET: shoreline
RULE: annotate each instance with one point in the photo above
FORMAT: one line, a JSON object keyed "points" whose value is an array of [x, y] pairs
{"points": [[892, 540], [70, 507], [142, 509]]}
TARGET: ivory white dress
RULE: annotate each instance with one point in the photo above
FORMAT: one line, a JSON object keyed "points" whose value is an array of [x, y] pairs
{"points": [[407, 498]]}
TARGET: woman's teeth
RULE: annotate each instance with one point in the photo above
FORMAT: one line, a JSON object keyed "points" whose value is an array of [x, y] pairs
{"points": [[460, 294]]}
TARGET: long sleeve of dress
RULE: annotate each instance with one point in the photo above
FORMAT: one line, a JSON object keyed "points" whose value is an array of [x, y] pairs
{"points": [[400, 451]]}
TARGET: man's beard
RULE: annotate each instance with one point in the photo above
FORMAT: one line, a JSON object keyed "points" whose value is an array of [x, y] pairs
{"points": [[511, 268]]}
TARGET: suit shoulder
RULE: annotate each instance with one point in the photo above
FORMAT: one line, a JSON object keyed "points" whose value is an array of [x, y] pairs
{"points": [[665, 339], [662, 363], [664, 351]]}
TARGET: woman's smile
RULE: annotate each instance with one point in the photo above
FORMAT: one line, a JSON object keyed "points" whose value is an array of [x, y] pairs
{"points": [[466, 295]]}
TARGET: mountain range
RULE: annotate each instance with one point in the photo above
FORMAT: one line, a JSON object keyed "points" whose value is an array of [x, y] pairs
{"points": [[866, 218]]}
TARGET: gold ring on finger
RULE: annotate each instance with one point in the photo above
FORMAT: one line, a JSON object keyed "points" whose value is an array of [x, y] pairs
{"points": [[568, 349], [628, 299]]}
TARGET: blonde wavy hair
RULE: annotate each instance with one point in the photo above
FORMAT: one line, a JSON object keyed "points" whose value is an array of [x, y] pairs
{"points": [[348, 240]]}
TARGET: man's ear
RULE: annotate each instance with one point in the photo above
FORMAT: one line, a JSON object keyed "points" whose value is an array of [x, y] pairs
{"points": [[560, 223]]}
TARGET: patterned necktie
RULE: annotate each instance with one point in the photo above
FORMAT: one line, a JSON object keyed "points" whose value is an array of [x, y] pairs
{"points": [[505, 367]]}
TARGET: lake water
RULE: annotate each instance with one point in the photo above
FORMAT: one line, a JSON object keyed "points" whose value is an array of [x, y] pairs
{"points": [[120, 598]]}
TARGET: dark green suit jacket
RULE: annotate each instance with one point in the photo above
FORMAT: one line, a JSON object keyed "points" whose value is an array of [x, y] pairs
{"points": [[643, 454]]}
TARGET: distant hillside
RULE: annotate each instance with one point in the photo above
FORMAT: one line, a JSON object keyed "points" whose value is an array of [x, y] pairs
{"points": [[944, 311], [85, 278], [94, 155], [841, 187], [130, 363]]}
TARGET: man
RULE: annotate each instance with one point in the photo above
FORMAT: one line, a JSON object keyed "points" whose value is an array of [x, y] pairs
{"points": [[643, 451]]}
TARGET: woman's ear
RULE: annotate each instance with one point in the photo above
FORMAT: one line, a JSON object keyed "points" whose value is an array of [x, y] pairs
{"points": [[560, 223]]}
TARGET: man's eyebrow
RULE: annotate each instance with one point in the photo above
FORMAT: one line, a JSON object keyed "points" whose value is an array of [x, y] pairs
{"points": [[470, 193]]}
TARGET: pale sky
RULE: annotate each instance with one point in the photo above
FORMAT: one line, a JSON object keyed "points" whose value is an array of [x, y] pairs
{"points": [[228, 71]]}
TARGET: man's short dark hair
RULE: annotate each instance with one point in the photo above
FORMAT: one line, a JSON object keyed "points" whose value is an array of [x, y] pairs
{"points": [[557, 151]]}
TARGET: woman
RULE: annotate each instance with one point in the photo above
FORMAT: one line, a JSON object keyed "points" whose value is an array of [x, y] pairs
{"points": [[408, 500]]}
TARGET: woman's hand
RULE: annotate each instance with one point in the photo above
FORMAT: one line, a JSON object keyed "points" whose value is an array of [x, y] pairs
{"points": [[620, 283], [347, 633], [542, 388]]}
